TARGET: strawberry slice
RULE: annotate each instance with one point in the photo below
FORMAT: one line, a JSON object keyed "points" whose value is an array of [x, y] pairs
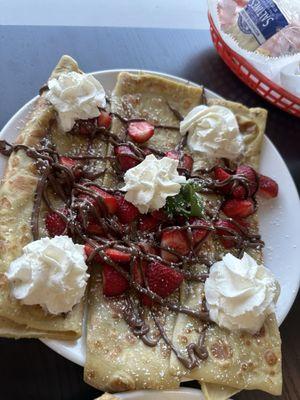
{"points": [[234, 208], [114, 284], [147, 223], [89, 250], [239, 192], [126, 212], [267, 187], [94, 228], [186, 162], [226, 228], [175, 240], [104, 120], [125, 157], [54, 223], [139, 268], [72, 164], [148, 248], [140, 131], [109, 200], [221, 175], [118, 256], [86, 127], [159, 215], [67, 162], [162, 279], [198, 234]]}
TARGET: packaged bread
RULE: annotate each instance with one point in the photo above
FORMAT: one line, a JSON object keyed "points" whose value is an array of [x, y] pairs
{"points": [[268, 26]]}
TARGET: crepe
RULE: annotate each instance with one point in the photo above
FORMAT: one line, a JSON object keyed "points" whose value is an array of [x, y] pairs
{"points": [[236, 359], [116, 360], [119, 363], [16, 202]]}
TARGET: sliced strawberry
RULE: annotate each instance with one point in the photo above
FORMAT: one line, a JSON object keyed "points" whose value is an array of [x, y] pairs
{"points": [[147, 223], [72, 164], [67, 161], [221, 175], [114, 284], [126, 212], [180, 220], [118, 256], [162, 279], [109, 200], [86, 127], [175, 240], [140, 131], [148, 248], [159, 215], [198, 234], [234, 208], [89, 250], [226, 228], [139, 270], [125, 157], [186, 162], [267, 187], [104, 119], [55, 224], [94, 228], [239, 191]]}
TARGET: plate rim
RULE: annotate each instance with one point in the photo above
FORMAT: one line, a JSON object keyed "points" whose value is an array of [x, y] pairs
{"points": [[57, 345]]}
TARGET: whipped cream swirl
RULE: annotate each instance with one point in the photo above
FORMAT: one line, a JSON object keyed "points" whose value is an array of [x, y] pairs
{"points": [[150, 183], [75, 96], [51, 273], [213, 131], [240, 294]]}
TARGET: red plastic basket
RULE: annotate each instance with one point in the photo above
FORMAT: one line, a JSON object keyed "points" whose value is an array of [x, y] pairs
{"points": [[253, 78]]}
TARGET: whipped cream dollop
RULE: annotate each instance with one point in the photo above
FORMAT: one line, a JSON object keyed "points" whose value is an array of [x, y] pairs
{"points": [[240, 294], [75, 96], [149, 184], [51, 273], [213, 131]]}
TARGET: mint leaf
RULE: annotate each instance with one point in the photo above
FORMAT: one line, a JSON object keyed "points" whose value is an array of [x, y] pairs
{"points": [[187, 202]]}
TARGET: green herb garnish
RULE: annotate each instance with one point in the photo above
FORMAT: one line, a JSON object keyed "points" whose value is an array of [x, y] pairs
{"points": [[187, 202]]}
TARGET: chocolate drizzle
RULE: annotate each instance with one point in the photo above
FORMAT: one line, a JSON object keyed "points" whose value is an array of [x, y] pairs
{"points": [[75, 185]]}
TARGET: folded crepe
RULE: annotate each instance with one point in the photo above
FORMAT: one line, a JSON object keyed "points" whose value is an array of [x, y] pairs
{"points": [[116, 359], [236, 359], [16, 203]]}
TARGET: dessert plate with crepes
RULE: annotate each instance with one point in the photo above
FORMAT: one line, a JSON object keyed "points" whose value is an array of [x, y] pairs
{"points": [[135, 196]]}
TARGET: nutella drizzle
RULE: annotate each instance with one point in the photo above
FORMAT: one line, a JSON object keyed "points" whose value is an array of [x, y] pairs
{"points": [[82, 202]]}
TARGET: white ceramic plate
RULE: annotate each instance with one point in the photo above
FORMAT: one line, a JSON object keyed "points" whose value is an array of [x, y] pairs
{"points": [[180, 394], [279, 221]]}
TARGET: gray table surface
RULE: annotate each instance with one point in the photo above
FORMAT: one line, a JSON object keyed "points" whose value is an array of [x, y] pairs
{"points": [[28, 369]]}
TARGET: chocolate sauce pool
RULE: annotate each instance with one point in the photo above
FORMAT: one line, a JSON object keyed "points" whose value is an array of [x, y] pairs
{"points": [[82, 203]]}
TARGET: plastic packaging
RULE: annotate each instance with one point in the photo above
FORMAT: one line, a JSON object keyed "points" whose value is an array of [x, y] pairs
{"points": [[264, 74], [269, 26]]}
